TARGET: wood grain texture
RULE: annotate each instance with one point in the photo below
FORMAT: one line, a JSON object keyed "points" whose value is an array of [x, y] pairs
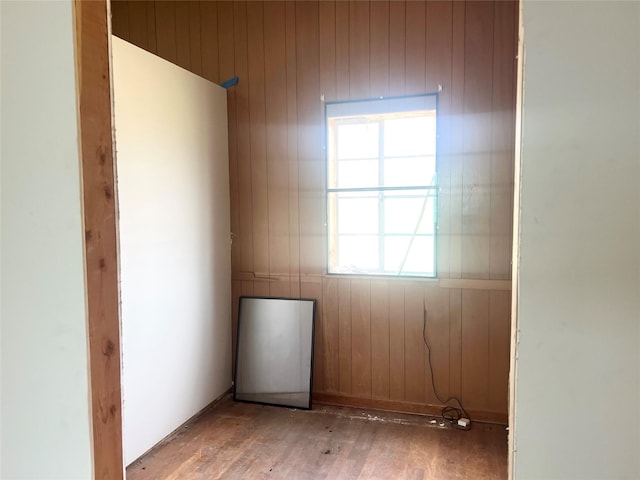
{"points": [[241, 440], [287, 55], [101, 242]]}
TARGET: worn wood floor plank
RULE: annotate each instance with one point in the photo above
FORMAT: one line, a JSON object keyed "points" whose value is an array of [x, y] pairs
{"points": [[242, 440]]}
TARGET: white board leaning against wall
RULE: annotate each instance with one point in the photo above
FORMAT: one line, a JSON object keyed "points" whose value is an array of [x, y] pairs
{"points": [[173, 193]]}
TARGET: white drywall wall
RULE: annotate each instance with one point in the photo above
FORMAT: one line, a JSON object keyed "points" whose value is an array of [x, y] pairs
{"points": [[45, 409], [577, 410], [173, 189]]}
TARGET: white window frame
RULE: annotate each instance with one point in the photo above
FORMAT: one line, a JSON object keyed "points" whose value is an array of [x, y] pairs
{"points": [[371, 108]]}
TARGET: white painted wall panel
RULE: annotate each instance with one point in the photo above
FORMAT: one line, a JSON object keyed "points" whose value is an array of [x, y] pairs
{"points": [[577, 410], [45, 407], [173, 188]]}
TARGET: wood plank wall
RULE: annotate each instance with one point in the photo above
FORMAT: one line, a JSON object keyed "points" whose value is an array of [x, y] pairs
{"points": [[369, 345]]}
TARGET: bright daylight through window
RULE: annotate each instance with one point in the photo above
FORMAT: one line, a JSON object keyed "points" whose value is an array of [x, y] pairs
{"points": [[382, 186]]}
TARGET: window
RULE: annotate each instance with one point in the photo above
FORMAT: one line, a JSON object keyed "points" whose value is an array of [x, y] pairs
{"points": [[382, 187]]}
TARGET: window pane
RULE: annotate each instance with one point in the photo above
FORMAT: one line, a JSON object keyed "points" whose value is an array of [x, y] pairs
{"points": [[358, 140], [409, 212], [406, 257], [402, 172], [357, 213], [357, 173], [357, 254], [410, 136]]}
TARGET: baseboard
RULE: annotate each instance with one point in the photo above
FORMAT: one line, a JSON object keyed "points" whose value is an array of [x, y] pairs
{"points": [[402, 407]]}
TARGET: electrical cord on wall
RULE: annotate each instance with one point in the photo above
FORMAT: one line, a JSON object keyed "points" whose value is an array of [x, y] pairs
{"points": [[450, 413]]}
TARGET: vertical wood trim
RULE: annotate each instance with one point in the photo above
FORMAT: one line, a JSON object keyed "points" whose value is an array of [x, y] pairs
{"points": [[101, 241]]}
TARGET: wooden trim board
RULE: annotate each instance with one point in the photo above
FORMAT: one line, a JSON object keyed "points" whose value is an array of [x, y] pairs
{"points": [[402, 407], [101, 241]]}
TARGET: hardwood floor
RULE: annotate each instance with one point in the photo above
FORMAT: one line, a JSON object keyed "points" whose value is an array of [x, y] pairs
{"points": [[241, 440]]}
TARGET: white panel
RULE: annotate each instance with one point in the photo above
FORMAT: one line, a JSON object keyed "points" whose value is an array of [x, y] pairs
{"points": [[577, 413], [173, 188], [46, 431]]}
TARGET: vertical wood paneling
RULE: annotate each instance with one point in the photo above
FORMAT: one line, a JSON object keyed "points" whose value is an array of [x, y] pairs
{"points": [[195, 38], [499, 343], [439, 52], [276, 138], [342, 50], [314, 290], [120, 11], [225, 33], [380, 335], [415, 68], [257, 136], [151, 26], [331, 345], [414, 348], [287, 54], [209, 39], [327, 22], [243, 136], [344, 333], [476, 199], [137, 24], [457, 128], [455, 343], [396, 342], [436, 301], [183, 37], [292, 148], [361, 338], [503, 137], [166, 30], [397, 47], [475, 348], [379, 48], [310, 158], [359, 49]]}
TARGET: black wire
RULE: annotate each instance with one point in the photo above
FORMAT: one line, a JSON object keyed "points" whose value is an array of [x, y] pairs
{"points": [[448, 412]]}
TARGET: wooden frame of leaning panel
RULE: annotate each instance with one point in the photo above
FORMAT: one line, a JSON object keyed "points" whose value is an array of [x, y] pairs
{"points": [[92, 35]]}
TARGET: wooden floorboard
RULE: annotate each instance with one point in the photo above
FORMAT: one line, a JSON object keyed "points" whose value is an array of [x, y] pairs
{"points": [[241, 440]]}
